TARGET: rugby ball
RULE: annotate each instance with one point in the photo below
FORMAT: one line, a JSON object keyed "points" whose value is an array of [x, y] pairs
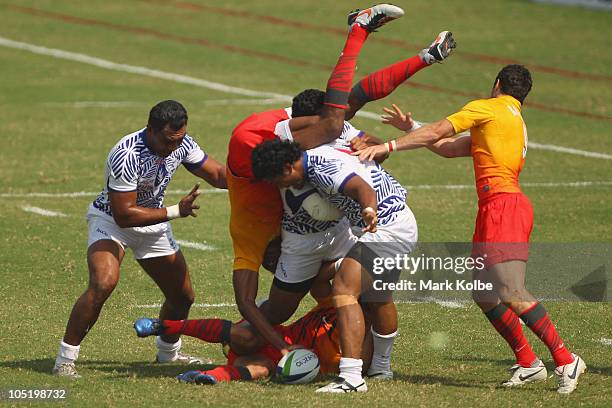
{"points": [[321, 209], [299, 366]]}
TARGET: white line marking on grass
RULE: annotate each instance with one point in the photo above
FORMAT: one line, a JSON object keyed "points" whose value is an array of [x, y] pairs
{"points": [[128, 104], [569, 150], [605, 341], [93, 194], [42, 211], [196, 245], [205, 305], [76, 194], [184, 79]]}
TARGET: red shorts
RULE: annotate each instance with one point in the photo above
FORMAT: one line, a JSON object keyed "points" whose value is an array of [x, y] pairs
{"points": [[503, 227]]}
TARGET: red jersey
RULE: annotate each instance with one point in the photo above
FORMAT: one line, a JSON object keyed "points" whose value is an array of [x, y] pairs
{"points": [[252, 131]]}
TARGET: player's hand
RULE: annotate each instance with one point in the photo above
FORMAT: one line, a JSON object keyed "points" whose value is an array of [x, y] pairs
{"points": [[290, 348], [186, 205], [370, 218], [359, 143], [378, 152], [397, 118]]}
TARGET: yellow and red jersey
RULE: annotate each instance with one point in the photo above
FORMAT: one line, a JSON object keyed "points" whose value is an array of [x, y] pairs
{"points": [[316, 331], [499, 142], [256, 207]]}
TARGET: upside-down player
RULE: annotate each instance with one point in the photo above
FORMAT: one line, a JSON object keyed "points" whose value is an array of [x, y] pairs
{"points": [[256, 207], [247, 358], [498, 146]]}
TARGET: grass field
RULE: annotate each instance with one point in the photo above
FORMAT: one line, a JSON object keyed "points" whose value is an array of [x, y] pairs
{"points": [[60, 117]]}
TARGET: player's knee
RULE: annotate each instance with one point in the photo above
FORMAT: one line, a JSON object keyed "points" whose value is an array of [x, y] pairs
{"points": [[510, 293], [101, 288]]}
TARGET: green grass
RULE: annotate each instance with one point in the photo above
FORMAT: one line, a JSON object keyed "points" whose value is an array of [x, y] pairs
{"points": [[48, 145]]}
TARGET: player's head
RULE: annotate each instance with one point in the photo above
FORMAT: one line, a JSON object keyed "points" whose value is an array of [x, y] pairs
{"points": [[513, 80], [278, 162], [307, 103], [166, 127]]}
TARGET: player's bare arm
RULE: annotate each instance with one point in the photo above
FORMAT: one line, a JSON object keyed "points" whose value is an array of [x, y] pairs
{"points": [[212, 172], [425, 136], [245, 290], [127, 213], [360, 191], [459, 146]]}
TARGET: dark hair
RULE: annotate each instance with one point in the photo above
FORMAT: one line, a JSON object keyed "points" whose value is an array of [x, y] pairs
{"points": [[270, 158], [307, 103], [515, 80], [167, 113]]}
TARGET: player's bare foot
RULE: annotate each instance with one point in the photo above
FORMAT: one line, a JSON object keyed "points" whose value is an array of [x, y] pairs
{"points": [[440, 49], [375, 17]]}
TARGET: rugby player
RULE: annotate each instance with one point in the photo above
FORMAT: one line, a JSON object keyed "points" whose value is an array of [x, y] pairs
{"points": [[247, 358], [129, 213], [498, 146], [256, 207], [370, 198]]}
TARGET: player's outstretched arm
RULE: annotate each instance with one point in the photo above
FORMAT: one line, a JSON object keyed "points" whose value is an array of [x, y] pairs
{"points": [[128, 214], [460, 146], [425, 136], [212, 172], [245, 291]]}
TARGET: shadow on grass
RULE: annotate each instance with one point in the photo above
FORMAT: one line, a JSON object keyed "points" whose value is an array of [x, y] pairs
{"points": [[591, 368], [117, 368]]}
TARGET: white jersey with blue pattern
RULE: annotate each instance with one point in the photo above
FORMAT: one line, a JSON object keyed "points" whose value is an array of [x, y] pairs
{"points": [[329, 170], [296, 219], [131, 166]]}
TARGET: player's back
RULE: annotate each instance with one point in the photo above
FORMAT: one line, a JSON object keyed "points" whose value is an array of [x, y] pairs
{"points": [[317, 331], [499, 142], [252, 131]]}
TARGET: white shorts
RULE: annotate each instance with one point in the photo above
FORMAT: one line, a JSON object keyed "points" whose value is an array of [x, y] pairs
{"points": [[302, 255], [145, 242], [400, 237]]}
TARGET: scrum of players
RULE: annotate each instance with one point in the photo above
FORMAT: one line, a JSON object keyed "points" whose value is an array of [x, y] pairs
{"points": [[306, 175]]}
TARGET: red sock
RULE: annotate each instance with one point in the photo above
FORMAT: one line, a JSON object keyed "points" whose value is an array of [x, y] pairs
{"points": [[229, 373], [341, 79], [381, 83], [209, 330], [538, 321], [507, 324]]}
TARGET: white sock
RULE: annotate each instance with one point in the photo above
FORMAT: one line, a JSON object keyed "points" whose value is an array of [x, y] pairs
{"points": [[67, 353], [167, 352], [350, 370], [381, 357]]}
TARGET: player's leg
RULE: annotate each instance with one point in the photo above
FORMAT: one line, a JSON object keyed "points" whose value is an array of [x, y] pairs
{"points": [[241, 337], [103, 259], [331, 119], [381, 83], [171, 275], [244, 368], [351, 328], [384, 331], [283, 300], [298, 267], [511, 278]]}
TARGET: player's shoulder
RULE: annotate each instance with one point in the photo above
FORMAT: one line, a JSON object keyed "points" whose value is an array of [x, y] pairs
{"points": [[126, 151]]}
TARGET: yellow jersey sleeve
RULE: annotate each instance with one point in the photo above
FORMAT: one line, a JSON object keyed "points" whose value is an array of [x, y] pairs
{"points": [[473, 114]]}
